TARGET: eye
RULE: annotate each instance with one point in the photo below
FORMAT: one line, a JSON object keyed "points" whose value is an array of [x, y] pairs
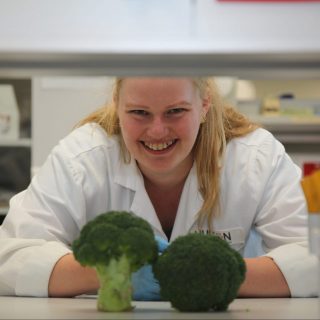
{"points": [[175, 111], [139, 112]]}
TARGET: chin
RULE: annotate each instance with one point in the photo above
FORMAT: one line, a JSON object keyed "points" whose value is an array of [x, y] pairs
{"points": [[159, 168]]}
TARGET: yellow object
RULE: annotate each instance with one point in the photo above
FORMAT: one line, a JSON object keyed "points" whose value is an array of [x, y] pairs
{"points": [[270, 106], [311, 188]]}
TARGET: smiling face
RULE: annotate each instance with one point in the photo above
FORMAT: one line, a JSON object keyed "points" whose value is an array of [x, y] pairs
{"points": [[160, 120]]}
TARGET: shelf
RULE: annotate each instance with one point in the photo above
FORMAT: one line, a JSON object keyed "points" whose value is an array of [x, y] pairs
{"points": [[289, 124], [180, 63], [291, 130], [23, 142], [297, 138], [287, 121]]}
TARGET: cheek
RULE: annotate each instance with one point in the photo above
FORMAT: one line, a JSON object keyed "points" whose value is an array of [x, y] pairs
{"points": [[130, 131], [189, 128]]}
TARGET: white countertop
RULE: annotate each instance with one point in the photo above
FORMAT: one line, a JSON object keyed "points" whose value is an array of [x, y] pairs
{"points": [[85, 308]]}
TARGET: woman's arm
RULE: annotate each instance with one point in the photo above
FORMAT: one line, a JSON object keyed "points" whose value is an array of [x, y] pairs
{"points": [[69, 278], [263, 279]]}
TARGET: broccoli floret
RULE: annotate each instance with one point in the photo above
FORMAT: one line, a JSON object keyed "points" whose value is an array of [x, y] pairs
{"points": [[115, 244], [199, 272]]}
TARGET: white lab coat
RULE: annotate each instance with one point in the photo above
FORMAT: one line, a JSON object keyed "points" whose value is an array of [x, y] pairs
{"points": [[84, 177]]}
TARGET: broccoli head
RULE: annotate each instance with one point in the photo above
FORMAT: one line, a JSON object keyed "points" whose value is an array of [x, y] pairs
{"points": [[115, 243], [199, 272]]}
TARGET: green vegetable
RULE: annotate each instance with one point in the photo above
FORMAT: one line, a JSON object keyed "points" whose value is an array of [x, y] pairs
{"points": [[115, 244], [199, 272]]}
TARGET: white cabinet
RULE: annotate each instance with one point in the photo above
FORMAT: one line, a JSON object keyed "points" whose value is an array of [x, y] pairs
{"points": [[126, 37], [15, 145]]}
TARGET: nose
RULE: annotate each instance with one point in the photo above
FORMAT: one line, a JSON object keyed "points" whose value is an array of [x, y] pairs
{"points": [[158, 128]]}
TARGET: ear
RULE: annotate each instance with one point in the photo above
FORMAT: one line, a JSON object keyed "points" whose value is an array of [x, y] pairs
{"points": [[206, 103]]}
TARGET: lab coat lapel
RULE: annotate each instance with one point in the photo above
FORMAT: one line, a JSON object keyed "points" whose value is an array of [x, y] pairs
{"points": [[129, 176], [126, 174], [190, 203]]}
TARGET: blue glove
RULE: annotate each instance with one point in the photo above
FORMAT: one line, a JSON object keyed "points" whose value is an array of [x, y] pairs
{"points": [[162, 244], [145, 286]]}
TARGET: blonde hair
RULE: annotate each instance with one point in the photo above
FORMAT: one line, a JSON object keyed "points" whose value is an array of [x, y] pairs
{"points": [[222, 124]]}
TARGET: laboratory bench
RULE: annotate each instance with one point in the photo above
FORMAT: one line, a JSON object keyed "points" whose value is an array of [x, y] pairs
{"points": [[85, 308]]}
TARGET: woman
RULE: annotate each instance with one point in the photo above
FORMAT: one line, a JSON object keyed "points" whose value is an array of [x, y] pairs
{"points": [[170, 151]]}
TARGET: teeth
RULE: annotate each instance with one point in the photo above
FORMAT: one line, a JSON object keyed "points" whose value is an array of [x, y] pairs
{"points": [[159, 146]]}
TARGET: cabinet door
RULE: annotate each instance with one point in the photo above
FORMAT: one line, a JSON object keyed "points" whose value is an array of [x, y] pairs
{"points": [[15, 138]]}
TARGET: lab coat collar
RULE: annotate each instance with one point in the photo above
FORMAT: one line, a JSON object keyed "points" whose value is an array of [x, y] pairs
{"points": [[129, 176], [190, 203]]}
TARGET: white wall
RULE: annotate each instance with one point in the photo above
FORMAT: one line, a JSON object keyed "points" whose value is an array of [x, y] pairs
{"points": [[153, 25], [58, 104]]}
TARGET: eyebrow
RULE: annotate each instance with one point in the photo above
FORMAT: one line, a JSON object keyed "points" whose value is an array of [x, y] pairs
{"points": [[179, 103], [133, 105]]}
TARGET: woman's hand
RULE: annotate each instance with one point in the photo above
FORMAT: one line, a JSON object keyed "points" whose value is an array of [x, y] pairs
{"points": [[145, 286], [69, 278]]}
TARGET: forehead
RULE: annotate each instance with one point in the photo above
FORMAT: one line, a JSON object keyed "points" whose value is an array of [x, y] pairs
{"points": [[151, 88]]}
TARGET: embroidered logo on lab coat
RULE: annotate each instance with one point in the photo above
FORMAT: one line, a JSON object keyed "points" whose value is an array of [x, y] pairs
{"points": [[232, 236]]}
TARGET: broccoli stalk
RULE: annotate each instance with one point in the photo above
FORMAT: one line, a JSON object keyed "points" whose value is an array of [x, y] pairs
{"points": [[199, 272], [115, 285], [116, 244]]}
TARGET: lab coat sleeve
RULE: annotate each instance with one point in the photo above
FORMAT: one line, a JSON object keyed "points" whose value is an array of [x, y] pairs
{"points": [[41, 224], [282, 218]]}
